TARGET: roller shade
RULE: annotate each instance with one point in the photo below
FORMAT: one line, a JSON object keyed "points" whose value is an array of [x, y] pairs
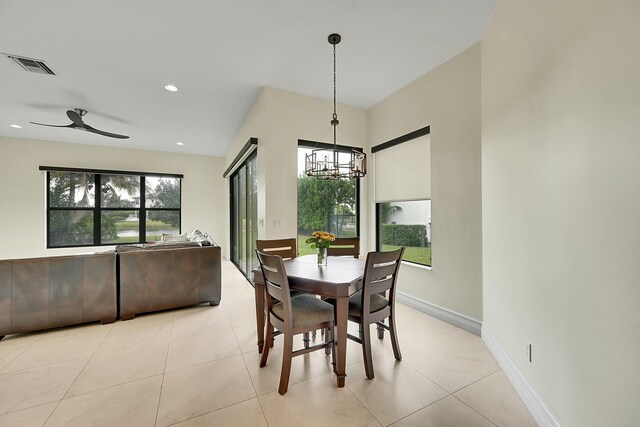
{"points": [[403, 171]]}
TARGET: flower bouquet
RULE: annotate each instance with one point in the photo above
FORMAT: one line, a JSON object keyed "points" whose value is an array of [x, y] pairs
{"points": [[321, 240]]}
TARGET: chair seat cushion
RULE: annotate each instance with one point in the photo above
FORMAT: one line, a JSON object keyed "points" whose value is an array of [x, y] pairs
{"points": [[307, 310], [378, 302]]}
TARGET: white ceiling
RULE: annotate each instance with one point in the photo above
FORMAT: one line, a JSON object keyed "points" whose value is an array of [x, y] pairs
{"points": [[114, 57]]}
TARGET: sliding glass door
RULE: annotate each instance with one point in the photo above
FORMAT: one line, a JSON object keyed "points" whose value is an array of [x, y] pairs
{"points": [[244, 215]]}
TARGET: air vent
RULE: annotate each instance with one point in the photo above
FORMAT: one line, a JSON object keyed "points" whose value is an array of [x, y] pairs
{"points": [[30, 64]]}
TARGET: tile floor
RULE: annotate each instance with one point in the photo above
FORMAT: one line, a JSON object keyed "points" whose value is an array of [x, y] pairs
{"points": [[198, 366]]}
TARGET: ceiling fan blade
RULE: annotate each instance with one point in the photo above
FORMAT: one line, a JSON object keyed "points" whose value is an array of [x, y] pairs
{"points": [[54, 126], [100, 132], [75, 118]]}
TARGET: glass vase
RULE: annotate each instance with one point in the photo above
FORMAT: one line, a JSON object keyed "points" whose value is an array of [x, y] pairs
{"points": [[322, 257]]}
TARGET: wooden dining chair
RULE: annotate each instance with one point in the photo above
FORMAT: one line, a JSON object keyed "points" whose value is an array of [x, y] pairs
{"points": [[376, 302], [291, 316], [286, 248], [345, 246]]}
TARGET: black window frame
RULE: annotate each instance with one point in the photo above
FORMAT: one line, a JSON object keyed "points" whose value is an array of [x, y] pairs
{"points": [[341, 148], [385, 145], [378, 216], [97, 209]]}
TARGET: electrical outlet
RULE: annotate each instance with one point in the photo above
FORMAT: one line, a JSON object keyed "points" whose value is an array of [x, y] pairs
{"points": [[277, 223], [528, 349]]}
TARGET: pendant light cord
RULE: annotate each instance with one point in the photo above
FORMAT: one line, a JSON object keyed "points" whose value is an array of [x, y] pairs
{"points": [[334, 122]]}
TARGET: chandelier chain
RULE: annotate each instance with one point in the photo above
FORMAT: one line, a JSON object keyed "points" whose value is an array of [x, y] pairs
{"points": [[335, 115], [324, 163]]}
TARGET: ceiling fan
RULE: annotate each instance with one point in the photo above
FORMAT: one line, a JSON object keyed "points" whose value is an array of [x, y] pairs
{"points": [[75, 116]]}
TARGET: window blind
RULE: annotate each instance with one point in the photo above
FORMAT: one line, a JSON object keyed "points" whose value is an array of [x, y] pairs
{"points": [[403, 171]]}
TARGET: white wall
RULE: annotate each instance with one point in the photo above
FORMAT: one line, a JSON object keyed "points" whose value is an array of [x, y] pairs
{"points": [[23, 188], [447, 99], [561, 201], [278, 119]]}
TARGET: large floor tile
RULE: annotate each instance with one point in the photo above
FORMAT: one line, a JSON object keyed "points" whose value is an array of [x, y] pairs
{"points": [[245, 414], [94, 329], [471, 344], [379, 347], [448, 412], [119, 367], [247, 337], [316, 402], [234, 284], [396, 391], [48, 351], [495, 398], [446, 365], [31, 417], [241, 311], [131, 404], [267, 379], [199, 319], [36, 386], [414, 325], [143, 330], [14, 345], [202, 348], [189, 392]]}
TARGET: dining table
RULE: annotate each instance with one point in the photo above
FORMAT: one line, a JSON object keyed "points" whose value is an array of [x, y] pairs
{"points": [[339, 279]]}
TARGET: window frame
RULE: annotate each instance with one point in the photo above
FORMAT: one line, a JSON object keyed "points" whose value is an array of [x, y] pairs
{"points": [[424, 131], [378, 231], [304, 143], [97, 209]]}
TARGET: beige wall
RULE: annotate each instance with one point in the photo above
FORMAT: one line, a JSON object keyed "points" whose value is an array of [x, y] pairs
{"points": [[278, 119], [561, 201], [22, 188], [448, 100]]}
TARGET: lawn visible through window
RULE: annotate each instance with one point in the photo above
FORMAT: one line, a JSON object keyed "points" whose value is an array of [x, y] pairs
{"points": [[325, 205], [408, 224]]}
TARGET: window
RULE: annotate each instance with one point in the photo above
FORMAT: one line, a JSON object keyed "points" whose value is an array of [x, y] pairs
{"points": [[325, 205], [402, 187], [244, 215], [405, 224], [129, 208]]}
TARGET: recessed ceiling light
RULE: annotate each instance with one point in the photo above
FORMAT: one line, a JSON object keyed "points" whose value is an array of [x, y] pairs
{"points": [[171, 88], [179, 143], [16, 126]]}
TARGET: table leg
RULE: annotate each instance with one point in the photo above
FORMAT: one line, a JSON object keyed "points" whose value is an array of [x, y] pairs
{"points": [[342, 311], [259, 289]]}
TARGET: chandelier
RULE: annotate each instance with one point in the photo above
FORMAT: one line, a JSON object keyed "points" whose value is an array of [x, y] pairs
{"points": [[329, 163]]}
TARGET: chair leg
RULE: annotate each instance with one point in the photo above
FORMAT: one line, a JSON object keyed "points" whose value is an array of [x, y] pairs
{"points": [[265, 350], [394, 337], [305, 339], [328, 336], [380, 332], [366, 351], [287, 351]]}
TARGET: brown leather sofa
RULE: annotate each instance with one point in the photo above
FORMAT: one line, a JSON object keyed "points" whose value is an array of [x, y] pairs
{"points": [[160, 277], [42, 293]]}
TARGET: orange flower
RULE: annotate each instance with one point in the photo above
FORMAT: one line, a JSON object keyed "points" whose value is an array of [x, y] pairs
{"points": [[320, 239]]}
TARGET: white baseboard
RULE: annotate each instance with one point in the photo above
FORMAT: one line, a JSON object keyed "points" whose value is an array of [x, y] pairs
{"points": [[456, 319], [534, 403]]}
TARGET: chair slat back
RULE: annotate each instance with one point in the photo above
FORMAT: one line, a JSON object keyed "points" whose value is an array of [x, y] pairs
{"points": [[345, 246], [275, 280], [285, 248], [381, 274]]}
